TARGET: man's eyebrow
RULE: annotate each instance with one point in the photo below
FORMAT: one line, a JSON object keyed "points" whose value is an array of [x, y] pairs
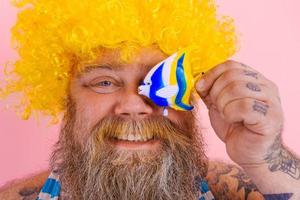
{"points": [[90, 67]]}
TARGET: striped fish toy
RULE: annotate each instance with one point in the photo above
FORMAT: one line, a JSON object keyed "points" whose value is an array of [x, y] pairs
{"points": [[170, 82]]}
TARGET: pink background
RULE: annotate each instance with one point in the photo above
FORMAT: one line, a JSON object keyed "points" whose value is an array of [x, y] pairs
{"points": [[270, 32]]}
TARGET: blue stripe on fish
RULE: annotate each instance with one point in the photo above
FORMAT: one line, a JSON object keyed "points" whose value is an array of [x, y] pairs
{"points": [[182, 84], [157, 83]]}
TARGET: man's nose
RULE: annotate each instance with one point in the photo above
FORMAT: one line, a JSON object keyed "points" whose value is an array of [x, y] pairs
{"points": [[131, 104]]}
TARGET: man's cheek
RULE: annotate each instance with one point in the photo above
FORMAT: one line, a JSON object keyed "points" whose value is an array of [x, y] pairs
{"points": [[91, 113]]}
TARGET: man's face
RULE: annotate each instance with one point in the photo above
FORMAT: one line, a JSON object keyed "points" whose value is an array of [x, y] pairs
{"points": [[109, 88], [116, 144]]}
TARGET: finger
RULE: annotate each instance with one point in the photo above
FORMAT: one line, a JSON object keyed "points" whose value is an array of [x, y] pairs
{"points": [[208, 102], [239, 90], [234, 75], [257, 116], [248, 71], [207, 80], [247, 110]]}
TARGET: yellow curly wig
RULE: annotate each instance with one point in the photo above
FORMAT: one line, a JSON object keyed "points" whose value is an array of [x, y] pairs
{"points": [[51, 36]]}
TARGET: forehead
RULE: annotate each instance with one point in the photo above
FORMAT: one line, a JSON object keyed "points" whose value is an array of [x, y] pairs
{"points": [[143, 59]]}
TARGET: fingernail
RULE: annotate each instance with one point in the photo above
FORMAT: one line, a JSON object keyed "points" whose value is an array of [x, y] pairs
{"points": [[200, 85]]}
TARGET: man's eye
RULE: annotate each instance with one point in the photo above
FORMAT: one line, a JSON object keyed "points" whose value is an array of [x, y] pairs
{"points": [[104, 83]]}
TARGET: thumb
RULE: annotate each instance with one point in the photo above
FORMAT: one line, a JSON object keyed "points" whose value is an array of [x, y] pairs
{"points": [[203, 84], [201, 91], [200, 86]]}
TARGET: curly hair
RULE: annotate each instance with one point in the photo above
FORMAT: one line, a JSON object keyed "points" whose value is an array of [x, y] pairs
{"points": [[52, 36]]}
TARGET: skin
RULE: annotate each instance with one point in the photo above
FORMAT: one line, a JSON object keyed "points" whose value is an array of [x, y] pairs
{"points": [[244, 110], [121, 98], [246, 114], [25, 189]]}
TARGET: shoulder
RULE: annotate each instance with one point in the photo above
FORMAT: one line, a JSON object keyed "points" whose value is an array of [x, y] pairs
{"points": [[228, 181], [26, 189]]}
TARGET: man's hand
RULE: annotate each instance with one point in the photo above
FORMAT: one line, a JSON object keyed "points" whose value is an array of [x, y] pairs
{"points": [[244, 110]]}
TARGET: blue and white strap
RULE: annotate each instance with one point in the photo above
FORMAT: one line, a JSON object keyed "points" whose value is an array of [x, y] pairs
{"points": [[205, 191], [52, 188]]}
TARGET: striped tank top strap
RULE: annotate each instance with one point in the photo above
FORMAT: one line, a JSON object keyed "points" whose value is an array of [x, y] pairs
{"points": [[205, 193], [51, 189]]}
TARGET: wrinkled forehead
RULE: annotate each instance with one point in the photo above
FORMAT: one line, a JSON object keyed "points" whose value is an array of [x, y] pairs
{"points": [[141, 59]]}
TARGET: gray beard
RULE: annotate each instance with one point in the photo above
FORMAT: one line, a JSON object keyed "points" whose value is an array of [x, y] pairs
{"points": [[96, 170]]}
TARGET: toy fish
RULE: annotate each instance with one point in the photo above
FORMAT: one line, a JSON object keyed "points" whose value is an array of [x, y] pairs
{"points": [[169, 83]]}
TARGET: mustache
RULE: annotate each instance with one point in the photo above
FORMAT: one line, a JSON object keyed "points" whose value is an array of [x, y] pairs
{"points": [[156, 127]]}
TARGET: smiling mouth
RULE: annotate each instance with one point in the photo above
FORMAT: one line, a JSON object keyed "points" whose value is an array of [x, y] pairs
{"points": [[135, 142], [135, 137]]}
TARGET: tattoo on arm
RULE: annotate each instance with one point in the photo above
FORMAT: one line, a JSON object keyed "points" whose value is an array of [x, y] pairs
{"points": [[251, 73], [244, 182], [280, 159], [283, 196], [254, 87], [29, 193], [230, 182], [244, 65], [260, 107]]}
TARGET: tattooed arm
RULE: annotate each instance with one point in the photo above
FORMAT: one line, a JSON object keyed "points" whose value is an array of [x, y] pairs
{"points": [[279, 176], [229, 182], [25, 189]]}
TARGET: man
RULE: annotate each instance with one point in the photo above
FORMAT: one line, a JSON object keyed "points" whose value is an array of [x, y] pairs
{"points": [[116, 144]]}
